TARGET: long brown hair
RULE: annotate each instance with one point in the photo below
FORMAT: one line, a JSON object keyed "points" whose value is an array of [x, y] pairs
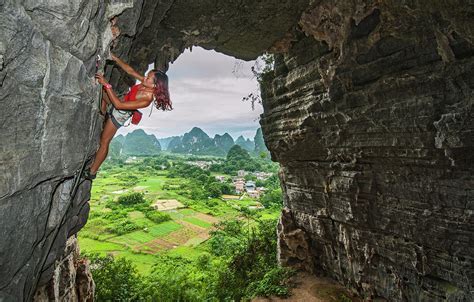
{"points": [[162, 95]]}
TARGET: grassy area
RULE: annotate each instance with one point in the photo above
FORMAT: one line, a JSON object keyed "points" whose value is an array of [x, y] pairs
{"points": [[197, 222], [184, 235]]}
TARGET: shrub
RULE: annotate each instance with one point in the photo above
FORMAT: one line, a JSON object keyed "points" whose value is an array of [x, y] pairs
{"points": [[122, 226], [157, 216], [252, 268], [116, 279], [272, 198], [213, 190], [131, 199], [272, 283]]}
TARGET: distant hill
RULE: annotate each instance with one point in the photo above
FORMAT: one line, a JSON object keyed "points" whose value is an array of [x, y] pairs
{"points": [[224, 142], [260, 143], [164, 142], [196, 142], [247, 144], [137, 142]]}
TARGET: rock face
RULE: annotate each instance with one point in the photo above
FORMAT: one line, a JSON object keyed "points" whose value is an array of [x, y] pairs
{"points": [[50, 124], [369, 112], [294, 248], [371, 116], [72, 279]]}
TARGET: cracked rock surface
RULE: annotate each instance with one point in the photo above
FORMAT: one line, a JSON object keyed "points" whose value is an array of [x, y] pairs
{"points": [[370, 114], [50, 107]]}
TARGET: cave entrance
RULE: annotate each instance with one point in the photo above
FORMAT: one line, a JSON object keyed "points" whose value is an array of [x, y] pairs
{"points": [[188, 192]]}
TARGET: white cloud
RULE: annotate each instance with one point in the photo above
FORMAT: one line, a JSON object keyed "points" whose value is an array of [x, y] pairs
{"points": [[206, 93]]}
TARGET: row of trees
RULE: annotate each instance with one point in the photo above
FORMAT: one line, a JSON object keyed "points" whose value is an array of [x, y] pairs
{"points": [[238, 159], [201, 184]]}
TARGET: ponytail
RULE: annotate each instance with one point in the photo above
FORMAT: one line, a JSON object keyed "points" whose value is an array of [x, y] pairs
{"points": [[161, 93]]}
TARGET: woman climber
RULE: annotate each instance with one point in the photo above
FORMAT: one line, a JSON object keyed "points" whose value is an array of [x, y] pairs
{"points": [[153, 87]]}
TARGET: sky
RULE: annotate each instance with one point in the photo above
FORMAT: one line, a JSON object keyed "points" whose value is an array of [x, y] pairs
{"points": [[206, 89]]}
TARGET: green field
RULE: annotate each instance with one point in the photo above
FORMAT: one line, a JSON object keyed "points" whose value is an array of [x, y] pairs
{"points": [[128, 231]]}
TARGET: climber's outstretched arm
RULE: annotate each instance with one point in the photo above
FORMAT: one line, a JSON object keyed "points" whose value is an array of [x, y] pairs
{"points": [[140, 102], [127, 68]]}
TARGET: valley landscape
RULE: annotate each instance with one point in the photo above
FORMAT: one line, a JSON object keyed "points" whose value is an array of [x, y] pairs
{"points": [[152, 210]]}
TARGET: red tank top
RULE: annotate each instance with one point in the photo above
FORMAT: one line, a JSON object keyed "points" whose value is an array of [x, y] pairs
{"points": [[132, 94]]}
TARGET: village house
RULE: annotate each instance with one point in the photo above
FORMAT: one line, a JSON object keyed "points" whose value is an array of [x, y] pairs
{"points": [[201, 164], [253, 193], [252, 190], [262, 175], [250, 186], [220, 178], [239, 186]]}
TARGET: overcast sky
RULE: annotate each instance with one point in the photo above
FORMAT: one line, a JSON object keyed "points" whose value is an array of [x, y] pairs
{"points": [[206, 93]]}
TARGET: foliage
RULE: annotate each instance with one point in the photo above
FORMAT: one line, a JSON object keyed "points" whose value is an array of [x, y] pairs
{"points": [[177, 279], [272, 283], [213, 189], [116, 279], [263, 67], [128, 179], [156, 162], [157, 216], [227, 238], [251, 269], [239, 266], [272, 198], [122, 226], [237, 153], [238, 159], [273, 182], [236, 263], [131, 199], [201, 184]]}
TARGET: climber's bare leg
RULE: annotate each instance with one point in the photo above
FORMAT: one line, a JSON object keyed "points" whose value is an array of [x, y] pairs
{"points": [[105, 138]]}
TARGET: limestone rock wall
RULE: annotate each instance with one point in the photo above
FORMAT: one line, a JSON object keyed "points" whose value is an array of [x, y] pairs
{"points": [[72, 278], [49, 123], [370, 114]]}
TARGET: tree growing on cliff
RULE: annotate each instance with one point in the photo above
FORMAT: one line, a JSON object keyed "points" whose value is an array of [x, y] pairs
{"points": [[263, 66]]}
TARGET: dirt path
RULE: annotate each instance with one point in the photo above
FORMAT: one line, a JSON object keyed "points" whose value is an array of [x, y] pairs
{"points": [[310, 288]]}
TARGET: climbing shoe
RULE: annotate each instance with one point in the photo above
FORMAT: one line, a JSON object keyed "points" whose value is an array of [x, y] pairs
{"points": [[88, 175]]}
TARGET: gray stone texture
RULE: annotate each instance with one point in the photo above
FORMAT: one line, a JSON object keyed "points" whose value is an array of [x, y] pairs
{"points": [[72, 278], [50, 106], [370, 114]]}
